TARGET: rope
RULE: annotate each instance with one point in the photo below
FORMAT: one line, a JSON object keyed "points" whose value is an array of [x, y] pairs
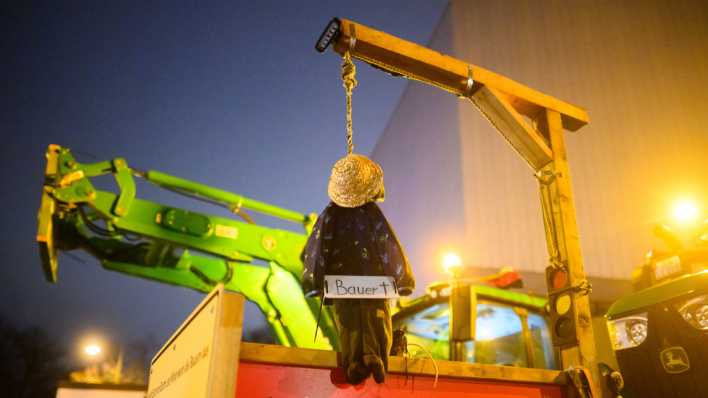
{"points": [[435, 364], [349, 82]]}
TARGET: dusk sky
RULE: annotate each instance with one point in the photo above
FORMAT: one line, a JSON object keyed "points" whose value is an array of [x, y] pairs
{"points": [[231, 94]]}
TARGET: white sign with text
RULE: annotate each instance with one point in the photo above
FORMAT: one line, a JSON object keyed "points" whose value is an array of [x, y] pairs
{"points": [[201, 358], [357, 286]]}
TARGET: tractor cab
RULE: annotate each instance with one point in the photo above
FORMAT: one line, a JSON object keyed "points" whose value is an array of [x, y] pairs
{"points": [[503, 327]]}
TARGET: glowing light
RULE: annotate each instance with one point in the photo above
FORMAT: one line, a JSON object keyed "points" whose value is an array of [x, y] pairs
{"points": [[451, 262], [563, 304], [685, 211], [92, 350]]}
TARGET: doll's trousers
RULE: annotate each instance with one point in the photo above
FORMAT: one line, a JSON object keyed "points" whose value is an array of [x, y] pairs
{"points": [[364, 327]]}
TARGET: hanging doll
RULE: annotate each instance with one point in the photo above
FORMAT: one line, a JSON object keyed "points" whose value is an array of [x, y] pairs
{"points": [[352, 237]]}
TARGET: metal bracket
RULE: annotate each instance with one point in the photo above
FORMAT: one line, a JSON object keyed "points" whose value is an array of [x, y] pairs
{"points": [[352, 38], [555, 263], [470, 82], [546, 177]]}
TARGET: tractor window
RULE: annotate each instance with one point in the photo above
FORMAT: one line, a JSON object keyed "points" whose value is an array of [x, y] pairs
{"points": [[542, 345], [498, 337], [429, 328]]}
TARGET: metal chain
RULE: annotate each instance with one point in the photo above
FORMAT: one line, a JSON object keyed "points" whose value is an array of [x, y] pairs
{"points": [[547, 179], [349, 82]]}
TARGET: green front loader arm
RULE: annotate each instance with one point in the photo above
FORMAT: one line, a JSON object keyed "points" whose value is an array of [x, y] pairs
{"points": [[177, 246]]}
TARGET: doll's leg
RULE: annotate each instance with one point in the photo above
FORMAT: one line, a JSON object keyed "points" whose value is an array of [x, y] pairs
{"points": [[377, 336], [349, 326]]}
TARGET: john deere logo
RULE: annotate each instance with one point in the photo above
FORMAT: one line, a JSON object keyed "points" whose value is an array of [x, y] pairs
{"points": [[675, 360]]}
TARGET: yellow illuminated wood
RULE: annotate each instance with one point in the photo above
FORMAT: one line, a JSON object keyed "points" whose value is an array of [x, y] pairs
{"points": [[522, 137], [279, 355], [275, 354], [568, 250], [227, 345], [414, 61]]}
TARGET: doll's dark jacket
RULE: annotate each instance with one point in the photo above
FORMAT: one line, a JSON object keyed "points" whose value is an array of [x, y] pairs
{"points": [[354, 241]]}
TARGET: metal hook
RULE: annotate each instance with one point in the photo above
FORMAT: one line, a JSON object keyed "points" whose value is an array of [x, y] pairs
{"points": [[352, 38], [470, 81]]}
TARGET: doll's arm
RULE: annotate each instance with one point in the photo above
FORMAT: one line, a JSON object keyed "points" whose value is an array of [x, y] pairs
{"points": [[314, 256], [391, 254]]}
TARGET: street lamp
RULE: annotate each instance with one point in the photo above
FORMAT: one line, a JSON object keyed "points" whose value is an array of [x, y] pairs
{"points": [[685, 211], [102, 367], [452, 263], [92, 350]]}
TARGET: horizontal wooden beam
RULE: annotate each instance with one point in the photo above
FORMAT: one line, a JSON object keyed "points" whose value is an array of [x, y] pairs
{"points": [[279, 355], [414, 61]]}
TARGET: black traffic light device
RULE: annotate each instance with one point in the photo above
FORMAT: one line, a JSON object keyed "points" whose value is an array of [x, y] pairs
{"points": [[561, 306]]}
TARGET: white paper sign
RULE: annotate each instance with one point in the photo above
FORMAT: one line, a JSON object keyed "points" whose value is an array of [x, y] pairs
{"points": [[355, 286], [181, 368]]}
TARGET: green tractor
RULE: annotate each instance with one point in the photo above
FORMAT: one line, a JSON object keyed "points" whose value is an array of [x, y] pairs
{"points": [[660, 332], [181, 247]]}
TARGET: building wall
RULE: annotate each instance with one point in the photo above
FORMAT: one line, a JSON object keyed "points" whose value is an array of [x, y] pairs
{"points": [[640, 68], [421, 157]]}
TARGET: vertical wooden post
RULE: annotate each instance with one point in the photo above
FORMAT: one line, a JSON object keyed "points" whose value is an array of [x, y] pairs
{"points": [[564, 244], [226, 345]]}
